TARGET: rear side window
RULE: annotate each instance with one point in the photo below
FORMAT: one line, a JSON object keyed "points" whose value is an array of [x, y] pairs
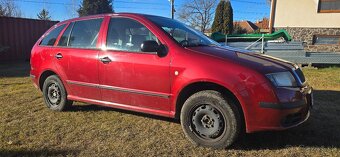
{"points": [[63, 41], [84, 34], [52, 36]]}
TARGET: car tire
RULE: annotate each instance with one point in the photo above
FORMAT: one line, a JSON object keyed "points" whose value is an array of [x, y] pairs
{"points": [[55, 95], [210, 119]]}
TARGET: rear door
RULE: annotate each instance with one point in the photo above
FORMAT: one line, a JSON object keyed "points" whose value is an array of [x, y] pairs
{"points": [[132, 77], [77, 58]]}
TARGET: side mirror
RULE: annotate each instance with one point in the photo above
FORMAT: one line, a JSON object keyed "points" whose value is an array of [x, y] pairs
{"points": [[149, 46], [152, 46]]}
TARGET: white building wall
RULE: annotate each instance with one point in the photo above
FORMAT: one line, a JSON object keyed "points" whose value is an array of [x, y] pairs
{"points": [[303, 13]]}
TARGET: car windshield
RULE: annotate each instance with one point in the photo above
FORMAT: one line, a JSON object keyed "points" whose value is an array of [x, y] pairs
{"points": [[181, 33]]}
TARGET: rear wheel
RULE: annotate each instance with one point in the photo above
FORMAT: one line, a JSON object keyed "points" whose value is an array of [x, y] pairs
{"points": [[55, 95], [211, 120]]}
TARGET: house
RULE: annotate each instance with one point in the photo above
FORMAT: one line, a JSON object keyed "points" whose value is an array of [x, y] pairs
{"points": [[314, 22], [263, 25], [247, 26]]}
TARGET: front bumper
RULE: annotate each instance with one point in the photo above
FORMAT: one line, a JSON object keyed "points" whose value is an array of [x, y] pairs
{"points": [[293, 109]]}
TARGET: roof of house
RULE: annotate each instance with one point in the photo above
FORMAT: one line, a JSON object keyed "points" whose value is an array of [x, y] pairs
{"points": [[263, 24], [247, 25]]}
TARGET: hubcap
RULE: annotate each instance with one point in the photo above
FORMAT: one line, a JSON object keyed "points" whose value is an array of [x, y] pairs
{"points": [[207, 122], [53, 93]]}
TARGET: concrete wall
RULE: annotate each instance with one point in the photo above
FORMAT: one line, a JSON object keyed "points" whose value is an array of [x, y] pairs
{"points": [[303, 13]]}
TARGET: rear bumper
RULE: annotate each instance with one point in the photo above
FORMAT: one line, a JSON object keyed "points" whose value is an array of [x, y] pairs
{"points": [[293, 110], [34, 79]]}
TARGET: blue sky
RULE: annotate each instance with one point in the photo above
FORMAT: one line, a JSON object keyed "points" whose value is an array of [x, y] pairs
{"points": [[251, 10]]}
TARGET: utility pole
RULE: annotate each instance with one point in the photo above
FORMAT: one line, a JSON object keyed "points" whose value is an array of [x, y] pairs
{"points": [[272, 15], [172, 8]]}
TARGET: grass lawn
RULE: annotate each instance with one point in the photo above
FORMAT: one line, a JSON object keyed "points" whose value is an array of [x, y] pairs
{"points": [[28, 128]]}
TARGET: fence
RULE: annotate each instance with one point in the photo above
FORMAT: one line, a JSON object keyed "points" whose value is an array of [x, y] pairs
{"points": [[18, 35]]}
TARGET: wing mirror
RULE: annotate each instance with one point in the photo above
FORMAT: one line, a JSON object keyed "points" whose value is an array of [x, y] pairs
{"points": [[153, 46]]}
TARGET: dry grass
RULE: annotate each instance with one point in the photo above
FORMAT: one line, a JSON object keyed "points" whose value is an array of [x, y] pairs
{"points": [[28, 128]]}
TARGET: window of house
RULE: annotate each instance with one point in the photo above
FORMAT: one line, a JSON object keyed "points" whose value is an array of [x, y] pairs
{"points": [[52, 36], [85, 34], [326, 39], [329, 6], [125, 34]]}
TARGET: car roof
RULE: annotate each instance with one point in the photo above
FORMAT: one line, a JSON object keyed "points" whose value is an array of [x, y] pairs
{"points": [[103, 15]]}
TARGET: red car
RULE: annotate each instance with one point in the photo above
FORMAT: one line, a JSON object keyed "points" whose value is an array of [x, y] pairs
{"points": [[160, 66]]}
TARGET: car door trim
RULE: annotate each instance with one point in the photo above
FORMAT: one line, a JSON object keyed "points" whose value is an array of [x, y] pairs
{"points": [[120, 89]]}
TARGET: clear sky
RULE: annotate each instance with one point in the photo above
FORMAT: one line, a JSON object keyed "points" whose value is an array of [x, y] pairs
{"points": [[251, 10]]}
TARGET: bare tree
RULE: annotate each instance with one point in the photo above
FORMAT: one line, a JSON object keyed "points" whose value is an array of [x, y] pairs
{"points": [[268, 2], [10, 9], [198, 13]]}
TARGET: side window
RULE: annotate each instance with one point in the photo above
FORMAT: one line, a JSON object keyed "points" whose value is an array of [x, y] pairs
{"points": [[85, 33], [127, 35], [182, 36], [52, 36], [63, 41]]}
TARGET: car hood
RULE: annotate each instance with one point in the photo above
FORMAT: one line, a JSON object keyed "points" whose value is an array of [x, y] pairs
{"points": [[259, 62]]}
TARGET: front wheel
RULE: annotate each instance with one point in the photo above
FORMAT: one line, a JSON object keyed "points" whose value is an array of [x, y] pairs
{"points": [[55, 95], [209, 119]]}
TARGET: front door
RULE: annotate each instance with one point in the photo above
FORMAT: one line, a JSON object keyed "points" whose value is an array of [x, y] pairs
{"points": [[129, 76]]}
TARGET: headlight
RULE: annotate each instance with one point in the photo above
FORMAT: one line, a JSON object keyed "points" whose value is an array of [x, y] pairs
{"points": [[282, 79]]}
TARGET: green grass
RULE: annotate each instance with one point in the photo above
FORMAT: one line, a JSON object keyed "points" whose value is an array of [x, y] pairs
{"points": [[28, 128]]}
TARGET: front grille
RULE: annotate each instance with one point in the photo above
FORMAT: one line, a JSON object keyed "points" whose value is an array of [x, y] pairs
{"points": [[300, 75]]}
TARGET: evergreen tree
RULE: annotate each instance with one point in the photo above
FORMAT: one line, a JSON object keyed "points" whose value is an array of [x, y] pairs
{"points": [[44, 15], [228, 18], [2, 13], [217, 25], [92, 7]]}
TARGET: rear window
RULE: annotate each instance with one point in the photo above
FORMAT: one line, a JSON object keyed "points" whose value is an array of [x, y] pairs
{"points": [[52, 36], [84, 34]]}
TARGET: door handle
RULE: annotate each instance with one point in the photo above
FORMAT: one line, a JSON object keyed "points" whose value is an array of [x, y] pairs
{"points": [[59, 56], [105, 60]]}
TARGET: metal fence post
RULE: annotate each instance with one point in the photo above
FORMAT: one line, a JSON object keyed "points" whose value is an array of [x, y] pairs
{"points": [[226, 40], [262, 49]]}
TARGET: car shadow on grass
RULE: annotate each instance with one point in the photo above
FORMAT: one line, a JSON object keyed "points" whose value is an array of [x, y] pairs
{"points": [[321, 130], [92, 107]]}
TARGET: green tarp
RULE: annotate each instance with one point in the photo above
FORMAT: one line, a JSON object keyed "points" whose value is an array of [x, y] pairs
{"points": [[219, 37]]}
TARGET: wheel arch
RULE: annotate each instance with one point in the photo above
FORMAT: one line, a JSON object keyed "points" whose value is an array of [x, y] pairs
{"points": [[44, 75], [195, 87]]}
